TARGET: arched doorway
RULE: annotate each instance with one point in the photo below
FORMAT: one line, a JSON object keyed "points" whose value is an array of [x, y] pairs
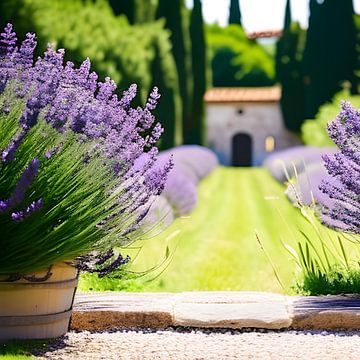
{"points": [[242, 150]]}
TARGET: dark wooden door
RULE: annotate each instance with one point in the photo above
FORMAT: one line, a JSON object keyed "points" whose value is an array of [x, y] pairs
{"points": [[242, 150]]}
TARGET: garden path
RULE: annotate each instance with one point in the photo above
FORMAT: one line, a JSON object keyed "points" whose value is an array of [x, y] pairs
{"points": [[205, 345]]}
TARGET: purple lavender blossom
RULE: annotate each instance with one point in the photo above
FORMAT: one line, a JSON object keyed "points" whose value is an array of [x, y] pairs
{"points": [[343, 184], [9, 153], [33, 207], [23, 184], [191, 163], [74, 98], [26, 51], [195, 161], [7, 41], [8, 56]]}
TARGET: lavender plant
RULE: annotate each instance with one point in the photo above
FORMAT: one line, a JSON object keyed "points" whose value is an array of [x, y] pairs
{"points": [[327, 258], [69, 189], [343, 183]]}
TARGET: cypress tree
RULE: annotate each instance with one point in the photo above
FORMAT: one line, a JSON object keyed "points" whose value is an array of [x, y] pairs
{"points": [[234, 12], [289, 72], [194, 134], [330, 54], [124, 7], [164, 77], [144, 11], [171, 11], [287, 20]]}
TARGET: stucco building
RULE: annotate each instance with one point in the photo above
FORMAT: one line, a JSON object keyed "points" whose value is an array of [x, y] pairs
{"points": [[244, 125]]}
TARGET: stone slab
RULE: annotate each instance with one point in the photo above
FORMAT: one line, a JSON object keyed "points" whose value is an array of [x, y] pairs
{"points": [[232, 310], [110, 310], [325, 312], [229, 297], [101, 311]]}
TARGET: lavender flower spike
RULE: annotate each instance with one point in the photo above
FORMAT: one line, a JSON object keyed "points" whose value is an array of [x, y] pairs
{"points": [[24, 182], [343, 184], [7, 41], [33, 207]]}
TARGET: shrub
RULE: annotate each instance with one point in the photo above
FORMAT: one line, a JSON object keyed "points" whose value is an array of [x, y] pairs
{"points": [[282, 164], [191, 164], [304, 187], [236, 60], [68, 146], [313, 131], [327, 259], [343, 184]]}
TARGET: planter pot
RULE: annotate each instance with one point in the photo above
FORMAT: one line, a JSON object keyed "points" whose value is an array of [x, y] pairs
{"points": [[38, 306]]}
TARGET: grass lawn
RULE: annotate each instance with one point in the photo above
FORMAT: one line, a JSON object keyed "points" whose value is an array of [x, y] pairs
{"points": [[20, 349], [216, 247]]}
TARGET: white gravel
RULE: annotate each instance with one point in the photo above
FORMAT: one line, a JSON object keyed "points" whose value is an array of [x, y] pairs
{"points": [[204, 344]]}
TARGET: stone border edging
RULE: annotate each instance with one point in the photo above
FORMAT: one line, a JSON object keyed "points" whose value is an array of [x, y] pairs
{"points": [[232, 309]]}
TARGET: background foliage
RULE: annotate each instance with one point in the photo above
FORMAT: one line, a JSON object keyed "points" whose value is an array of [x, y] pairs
{"points": [[313, 131], [236, 60]]}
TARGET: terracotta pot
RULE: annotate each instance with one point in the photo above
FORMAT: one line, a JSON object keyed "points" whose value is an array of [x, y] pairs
{"points": [[39, 305]]}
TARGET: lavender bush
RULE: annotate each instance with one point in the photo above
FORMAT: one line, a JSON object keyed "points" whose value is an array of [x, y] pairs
{"points": [[304, 189], [68, 185], [281, 163], [343, 183], [192, 163], [195, 161]]}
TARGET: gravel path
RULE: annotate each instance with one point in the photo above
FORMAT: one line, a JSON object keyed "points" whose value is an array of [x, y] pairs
{"points": [[176, 344]]}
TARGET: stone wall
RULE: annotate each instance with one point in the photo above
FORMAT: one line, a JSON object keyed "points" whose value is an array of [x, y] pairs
{"points": [[259, 120]]}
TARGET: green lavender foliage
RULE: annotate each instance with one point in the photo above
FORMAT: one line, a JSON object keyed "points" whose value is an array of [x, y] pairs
{"points": [[75, 188], [236, 60], [313, 131], [116, 49], [326, 260], [330, 51], [234, 12], [289, 49], [195, 134]]}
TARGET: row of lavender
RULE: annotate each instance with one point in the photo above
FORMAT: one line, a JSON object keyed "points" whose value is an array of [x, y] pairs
{"points": [[326, 177], [192, 163]]}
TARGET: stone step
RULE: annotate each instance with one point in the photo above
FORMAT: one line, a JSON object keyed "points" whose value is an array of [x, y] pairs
{"points": [[232, 309]]}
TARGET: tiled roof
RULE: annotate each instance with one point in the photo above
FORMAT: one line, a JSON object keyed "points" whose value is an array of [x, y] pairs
{"points": [[243, 94], [264, 34]]}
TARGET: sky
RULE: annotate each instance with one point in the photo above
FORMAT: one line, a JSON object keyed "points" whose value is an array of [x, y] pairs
{"points": [[258, 15]]}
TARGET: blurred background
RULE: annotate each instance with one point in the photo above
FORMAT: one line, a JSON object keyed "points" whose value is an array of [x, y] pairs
{"points": [[251, 81]]}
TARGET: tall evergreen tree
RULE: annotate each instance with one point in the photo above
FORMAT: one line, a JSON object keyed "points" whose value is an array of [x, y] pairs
{"points": [[330, 55], [136, 11], [145, 11], [164, 77], [289, 73], [194, 134], [172, 11], [287, 20], [234, 12], [124, 7]]}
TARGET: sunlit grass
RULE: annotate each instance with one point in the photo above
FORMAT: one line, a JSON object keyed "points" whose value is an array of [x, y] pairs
{"points": [[216, 248], [20, 350]]}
